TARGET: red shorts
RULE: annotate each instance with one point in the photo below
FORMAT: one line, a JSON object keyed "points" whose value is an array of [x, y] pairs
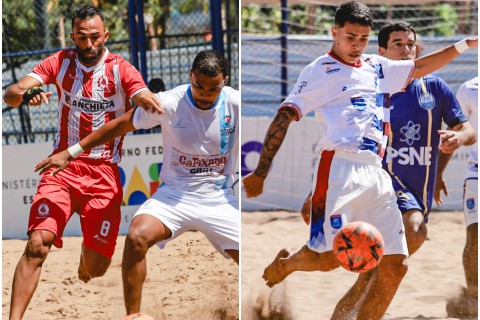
{"points": [[90, 188]]}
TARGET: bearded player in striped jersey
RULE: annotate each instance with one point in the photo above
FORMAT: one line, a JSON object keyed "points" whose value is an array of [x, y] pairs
{"points": [[94, 87]]}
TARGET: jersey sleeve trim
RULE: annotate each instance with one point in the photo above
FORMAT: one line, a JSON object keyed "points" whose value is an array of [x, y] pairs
{"points": [[36, 76], [409, 78], [138, 91], [294, 107]]}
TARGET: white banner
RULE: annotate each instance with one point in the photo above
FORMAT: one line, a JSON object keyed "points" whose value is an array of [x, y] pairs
{"points": [[291, 173], [140, 168]]}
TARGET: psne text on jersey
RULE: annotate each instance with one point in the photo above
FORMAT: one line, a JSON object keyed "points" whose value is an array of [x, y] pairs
{"points": [[410, 155]]}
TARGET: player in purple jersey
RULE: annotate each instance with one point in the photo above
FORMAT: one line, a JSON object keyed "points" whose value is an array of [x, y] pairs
{"points": [[344, 151], [416, 116]]}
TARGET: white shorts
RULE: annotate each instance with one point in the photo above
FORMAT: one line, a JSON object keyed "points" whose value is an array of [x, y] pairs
{"points": [[470, 198], [349, 188], [215, 215]]}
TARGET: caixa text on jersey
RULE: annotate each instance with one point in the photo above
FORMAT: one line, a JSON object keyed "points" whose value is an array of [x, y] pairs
{"points": [[199, 162]]}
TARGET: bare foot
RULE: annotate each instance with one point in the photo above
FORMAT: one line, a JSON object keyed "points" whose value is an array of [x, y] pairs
{"points": [[83, 275], [276, 272]]}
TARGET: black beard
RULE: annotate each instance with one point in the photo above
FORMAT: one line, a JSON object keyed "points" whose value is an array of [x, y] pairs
{"points": [[89, 60]]}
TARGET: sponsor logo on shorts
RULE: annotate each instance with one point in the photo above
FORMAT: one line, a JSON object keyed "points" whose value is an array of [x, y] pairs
{"points": [[97, 237], [471, 203], [402, 195], [43, 209], [336, 221], [147, 205]]}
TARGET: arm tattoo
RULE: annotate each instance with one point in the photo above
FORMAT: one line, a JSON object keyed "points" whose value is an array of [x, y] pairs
{"points": [[273, 140]]}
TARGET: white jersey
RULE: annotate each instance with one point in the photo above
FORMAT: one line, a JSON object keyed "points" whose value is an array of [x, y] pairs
{"points": [[200, 147], [467, 96], [349, 101]]}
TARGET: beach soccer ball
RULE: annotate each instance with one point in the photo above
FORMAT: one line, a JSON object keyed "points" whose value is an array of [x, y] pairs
{"points": [[358, 247], [138, 316]]}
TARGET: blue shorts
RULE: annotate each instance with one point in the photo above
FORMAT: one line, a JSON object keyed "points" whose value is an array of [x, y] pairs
{"points": [[407, 199]]}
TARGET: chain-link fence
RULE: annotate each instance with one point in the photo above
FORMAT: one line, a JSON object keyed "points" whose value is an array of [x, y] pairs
{"points": [[439, 23], [175, 32]]}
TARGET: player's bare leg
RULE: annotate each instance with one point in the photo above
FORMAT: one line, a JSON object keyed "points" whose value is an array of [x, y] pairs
{"points": [[92, 264], [354, 297], [389, 275], [144, 232], [27, 272], [303, 260], [415, 230], [233, 254], [470, 260]]}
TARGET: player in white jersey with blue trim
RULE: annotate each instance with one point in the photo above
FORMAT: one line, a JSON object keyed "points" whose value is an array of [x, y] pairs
{"points": [[200, 143], [348, 92], [461, 306]]}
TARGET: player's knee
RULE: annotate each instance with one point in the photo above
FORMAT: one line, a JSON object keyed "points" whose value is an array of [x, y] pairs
{"points": [[136, 243], [37, 247], [98, 269], [395, 268]]}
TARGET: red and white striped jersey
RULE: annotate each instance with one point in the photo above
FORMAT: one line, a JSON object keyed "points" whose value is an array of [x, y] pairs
{"points": [[89, 97]]}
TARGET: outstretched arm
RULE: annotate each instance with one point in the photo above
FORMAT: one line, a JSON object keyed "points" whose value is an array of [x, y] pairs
{"points": [[460, 135], [17, 92], [440, 58], [253, 182], [107, 132]]}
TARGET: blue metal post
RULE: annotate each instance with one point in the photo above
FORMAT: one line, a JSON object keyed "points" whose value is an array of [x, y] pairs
{"points": [[133, 34], [283, 43], [142, 47], [216, 25]]}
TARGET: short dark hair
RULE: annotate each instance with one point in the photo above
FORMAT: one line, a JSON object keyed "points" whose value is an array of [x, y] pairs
{"points": [[210, 63], [386, 30], [353, 12], [156, 85], [87, 12]]}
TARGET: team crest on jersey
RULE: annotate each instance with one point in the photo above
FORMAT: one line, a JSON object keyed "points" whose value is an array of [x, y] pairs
{"points": [[336, 221], [411, 133], [43, 209], [427, 101], [470, 203]]}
